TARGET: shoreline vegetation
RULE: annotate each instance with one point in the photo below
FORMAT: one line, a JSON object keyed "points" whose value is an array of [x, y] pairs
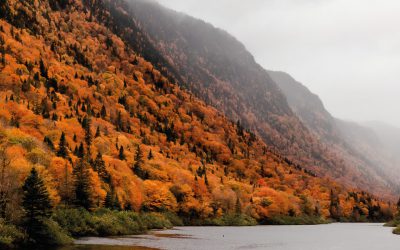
{"points": [[46, 225], [96, 140], [395, 223], [65, 224]]}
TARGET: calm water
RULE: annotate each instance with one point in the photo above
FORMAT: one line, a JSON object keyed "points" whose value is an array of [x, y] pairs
{"points": [[319, 237]]}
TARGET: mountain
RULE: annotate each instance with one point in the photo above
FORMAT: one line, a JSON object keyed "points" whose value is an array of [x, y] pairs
{"points": [[100, 123], [308, 106], [95, 119], [389, 136], [356, 143], [218, 69]]}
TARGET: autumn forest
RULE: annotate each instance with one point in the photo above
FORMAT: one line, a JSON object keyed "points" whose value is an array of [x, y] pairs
{"points": [[99, 135]]}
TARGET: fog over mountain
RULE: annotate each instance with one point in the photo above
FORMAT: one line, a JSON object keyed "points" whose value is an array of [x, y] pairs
{"points": [[217, 68], [344, 51]]}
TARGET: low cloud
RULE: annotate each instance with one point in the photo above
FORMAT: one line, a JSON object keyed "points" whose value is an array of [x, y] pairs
{"points": [[346, 51]]}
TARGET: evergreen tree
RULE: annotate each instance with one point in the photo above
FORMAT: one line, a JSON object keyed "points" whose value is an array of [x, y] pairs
{"points": [[112, 201], [81, 151], [82, 188], [62, 147], [238, 206], [205, 179], [334, 206], [26, 86], [119, 122], [98, 134], [103, 112], [37, 206], [138, 166], [3, 54], [139, 157], [108, 201], [100, 167], [121, 154], [88, 134], [49, 142], [43, 69], [150, 156]]}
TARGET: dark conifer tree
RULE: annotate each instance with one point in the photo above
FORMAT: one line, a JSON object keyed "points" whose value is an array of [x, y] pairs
{"points": [[121, 154], [81, 151], [103, 112], [82, 188], [49, 142], [98, 134], [62, 147], [43, 69], [138, 165], [119, 123], [26, 86], [238, 206], [150, 156], [37, 206], [88, 134], [100, 167], [205, 179], [108, 201]]}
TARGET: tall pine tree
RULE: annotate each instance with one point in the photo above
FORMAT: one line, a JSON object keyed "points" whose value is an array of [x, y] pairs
{"points": [[62, 147], [138, 165], [121, 154], [88, 134], [37, 206], [100, 167], [83, 196]]}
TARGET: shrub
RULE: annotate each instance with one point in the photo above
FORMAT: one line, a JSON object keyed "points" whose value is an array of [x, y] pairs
{"points": [[105, 222], [77, 222], [232, 220], [10, 235], [109, 222], [173, 218], [155, 221], [55, 234], [393, 223], [295, 220], [396, 230]]}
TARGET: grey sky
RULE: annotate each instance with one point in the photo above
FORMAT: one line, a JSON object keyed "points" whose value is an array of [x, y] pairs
{"points": [[346, 51]]}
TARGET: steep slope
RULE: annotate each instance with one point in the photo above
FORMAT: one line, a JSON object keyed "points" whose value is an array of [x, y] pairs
{"points": [[219, 70], [357, 144], [389, 136], [307, 106], [78, 102]]}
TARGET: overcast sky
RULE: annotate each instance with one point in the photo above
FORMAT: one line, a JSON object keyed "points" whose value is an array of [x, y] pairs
{"points": [[346, 51]]}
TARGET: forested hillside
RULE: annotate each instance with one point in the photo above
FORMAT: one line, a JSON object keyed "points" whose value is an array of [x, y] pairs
{"points": [[219, 70], [355, 143], [87, 123]]}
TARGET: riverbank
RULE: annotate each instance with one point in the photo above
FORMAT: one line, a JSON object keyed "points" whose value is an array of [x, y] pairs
{"points": [[396, 224], [339, 236], [67, 224]]}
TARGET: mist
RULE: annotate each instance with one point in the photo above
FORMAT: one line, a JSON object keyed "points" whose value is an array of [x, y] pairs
{"points": [[345, 51]]}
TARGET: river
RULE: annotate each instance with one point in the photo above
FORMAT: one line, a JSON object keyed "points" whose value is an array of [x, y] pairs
{"points": [[319, 237]]}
